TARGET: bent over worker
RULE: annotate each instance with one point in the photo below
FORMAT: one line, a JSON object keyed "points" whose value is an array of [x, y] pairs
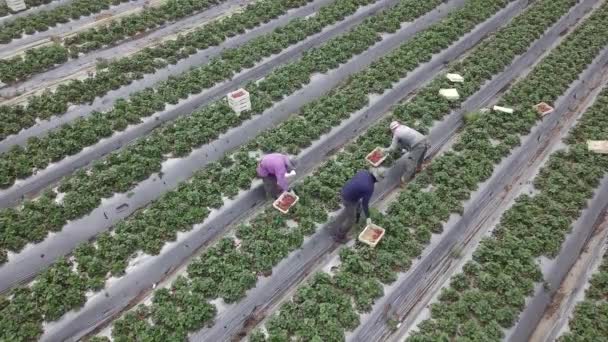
{"points": [[272, 169], [356, 194], [410, 140]]}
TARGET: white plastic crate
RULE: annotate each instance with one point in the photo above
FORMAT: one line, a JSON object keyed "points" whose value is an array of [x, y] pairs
{"points": [[450, 94], [16, 5], [371, 235], [598, 146], [503, 109], [456, 78], [239, 100]]}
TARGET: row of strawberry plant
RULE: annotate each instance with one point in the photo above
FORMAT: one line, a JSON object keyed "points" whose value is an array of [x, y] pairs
{"points": [[504, 267], [21, 162], [267, 239], [85, 189], [42, 21], [5, 10], [149, 229], [111, 75], [323, 309], [590, 319], [41, 59]]}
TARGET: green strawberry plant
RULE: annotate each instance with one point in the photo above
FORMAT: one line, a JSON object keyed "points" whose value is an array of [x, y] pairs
{"points": [[504, 269], [42, 21], [34, 61], [121, 171], [489, 289], [84, 132], [121, 72], [589, 320], [4, 10], [269, 235], [148, 229]]}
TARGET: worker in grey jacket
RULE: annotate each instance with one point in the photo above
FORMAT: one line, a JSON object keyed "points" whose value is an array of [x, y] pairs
{"points": [[408, 140]]}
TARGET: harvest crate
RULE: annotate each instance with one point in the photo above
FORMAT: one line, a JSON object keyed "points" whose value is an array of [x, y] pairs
{"points": [[450, 94], [456, 78], [371, 235], [239, 100], [16, 5], [285, 202], [543, 109], [503, 109], [598, 146], [376, 157]]}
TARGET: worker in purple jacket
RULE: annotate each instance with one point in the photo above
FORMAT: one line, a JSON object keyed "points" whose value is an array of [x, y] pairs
{"points": [[273, 169], [356, 193]]}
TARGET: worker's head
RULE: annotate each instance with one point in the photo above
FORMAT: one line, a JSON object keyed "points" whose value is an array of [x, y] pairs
{"points": [[393, 126]]}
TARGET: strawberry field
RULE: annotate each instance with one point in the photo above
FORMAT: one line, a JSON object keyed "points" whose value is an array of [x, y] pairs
{"points": [[130, 207]]}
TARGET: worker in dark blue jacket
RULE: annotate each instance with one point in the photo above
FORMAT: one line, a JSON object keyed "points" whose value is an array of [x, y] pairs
{"points": [[356, 193]]}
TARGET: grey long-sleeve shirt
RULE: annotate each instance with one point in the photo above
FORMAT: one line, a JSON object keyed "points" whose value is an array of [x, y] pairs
{"points": [[405, 138]]}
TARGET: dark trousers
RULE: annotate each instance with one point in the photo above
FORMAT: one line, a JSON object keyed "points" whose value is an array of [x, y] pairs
{"points": [[347, 219], [271, 187], [417, 154]]}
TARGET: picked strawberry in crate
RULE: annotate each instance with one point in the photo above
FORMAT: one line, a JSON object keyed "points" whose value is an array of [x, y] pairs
{"points": [[376, 157], [285, 202], [543, 109]]}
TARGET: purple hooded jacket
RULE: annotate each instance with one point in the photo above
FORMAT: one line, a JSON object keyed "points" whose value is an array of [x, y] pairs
{"points": [[277, 165]]}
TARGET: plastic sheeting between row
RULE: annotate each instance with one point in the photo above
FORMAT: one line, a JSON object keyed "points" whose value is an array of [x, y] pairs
{"points": [[27, 263]]}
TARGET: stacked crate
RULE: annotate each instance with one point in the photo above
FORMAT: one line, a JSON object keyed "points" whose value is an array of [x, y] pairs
{"points": [[16, 5], [239, 100]]}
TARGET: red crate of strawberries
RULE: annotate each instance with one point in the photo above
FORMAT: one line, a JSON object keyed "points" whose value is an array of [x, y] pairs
{"points": [[376, 157], [285, 202]]}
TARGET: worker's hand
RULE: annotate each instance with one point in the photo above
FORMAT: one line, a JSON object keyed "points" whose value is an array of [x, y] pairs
{"points": [[368, 221]]}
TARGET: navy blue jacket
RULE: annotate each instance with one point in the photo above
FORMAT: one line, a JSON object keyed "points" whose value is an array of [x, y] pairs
{"points": [[360, 188]]}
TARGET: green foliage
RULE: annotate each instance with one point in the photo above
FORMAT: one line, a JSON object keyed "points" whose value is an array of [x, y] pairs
{"points": [[98, 339], [471, 117], [235, 270], [123, 71], [364, 271], [504, 268], [43, 20], [43, 58]]}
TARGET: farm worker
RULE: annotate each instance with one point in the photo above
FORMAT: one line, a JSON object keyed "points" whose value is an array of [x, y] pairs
{"points": [[356, 193], [272, 169], [410, 140]]}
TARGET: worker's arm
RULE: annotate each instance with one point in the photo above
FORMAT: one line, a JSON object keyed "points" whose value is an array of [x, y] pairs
{"points": [[394, 144], [365, 203], [282, 181]]}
